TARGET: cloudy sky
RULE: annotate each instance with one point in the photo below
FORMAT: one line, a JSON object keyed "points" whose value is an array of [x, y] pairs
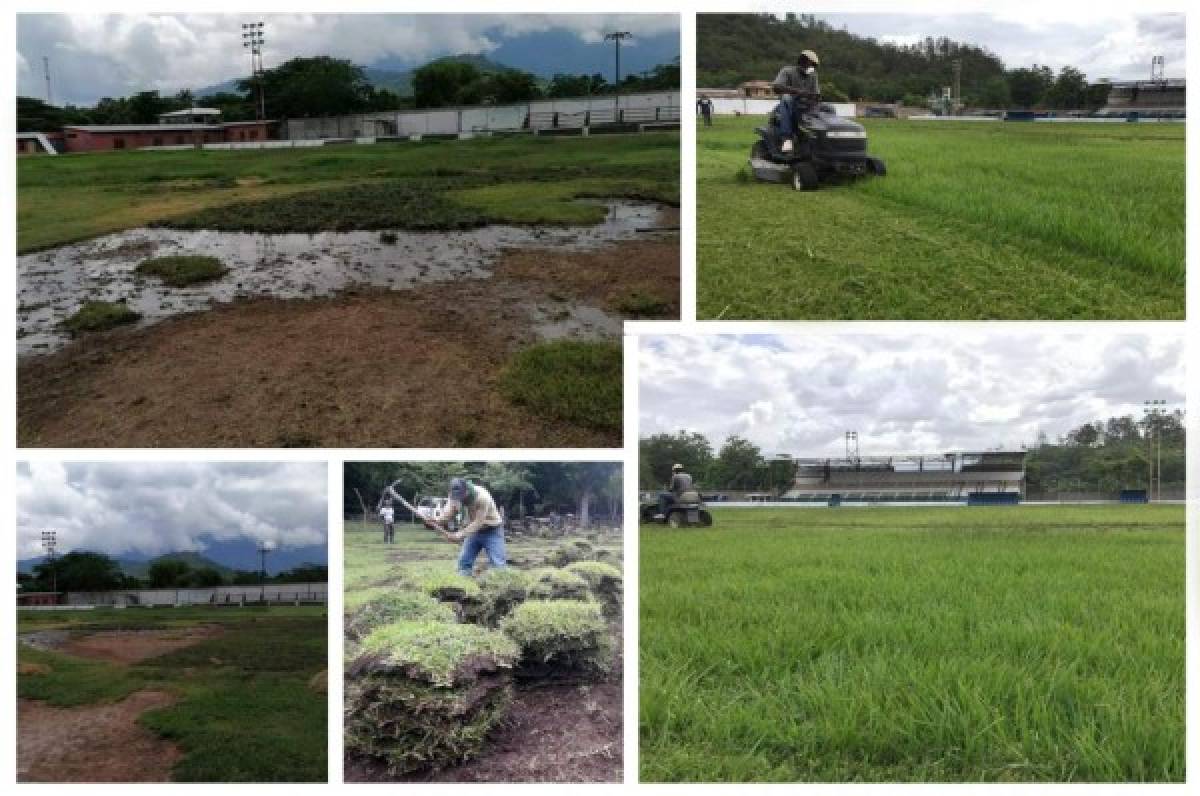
{"points": [[1102, 43], [160, 507], [115, 55], [799, 394]]}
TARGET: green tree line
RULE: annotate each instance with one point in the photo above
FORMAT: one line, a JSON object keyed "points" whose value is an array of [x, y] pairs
{"points": [[587, 489], [1101, 456], [325, 86], [87, 571], [734, 48]]}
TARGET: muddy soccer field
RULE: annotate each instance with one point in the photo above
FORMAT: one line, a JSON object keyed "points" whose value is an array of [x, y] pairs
{"points": [[172, 694], [512, 676], [308, 297]]}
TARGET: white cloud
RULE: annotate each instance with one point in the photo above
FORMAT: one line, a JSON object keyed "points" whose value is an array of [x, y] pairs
{"points": [[159, 507], [798, 394]]}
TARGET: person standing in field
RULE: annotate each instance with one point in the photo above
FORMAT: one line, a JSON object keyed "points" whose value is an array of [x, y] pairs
{"points": [[799, 88], [706, 109], [483, 531], [388, 514]]}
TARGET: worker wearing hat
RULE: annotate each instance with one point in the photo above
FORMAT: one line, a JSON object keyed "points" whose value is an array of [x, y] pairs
{"points": [[797, 85], [484, 529], [680, 482]]}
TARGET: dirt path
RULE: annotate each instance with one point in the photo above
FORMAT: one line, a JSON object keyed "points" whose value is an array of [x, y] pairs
{"points": [[93, 743], [372, 369], [131, 646]]}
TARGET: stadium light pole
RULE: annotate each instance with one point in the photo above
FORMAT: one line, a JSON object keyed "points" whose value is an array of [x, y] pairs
{"points": [[1153, 410], [252, 40], [264, 547], [50, 544], [616, 37]]}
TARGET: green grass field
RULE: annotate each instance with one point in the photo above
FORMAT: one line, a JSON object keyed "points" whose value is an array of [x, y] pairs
{"points": [[246, 712], [434, 184], [973, 221], [906, 644]]}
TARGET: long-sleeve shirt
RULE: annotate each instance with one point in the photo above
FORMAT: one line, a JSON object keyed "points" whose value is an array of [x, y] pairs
{"points": [[481, 512], [680, 483], [791, 77]]}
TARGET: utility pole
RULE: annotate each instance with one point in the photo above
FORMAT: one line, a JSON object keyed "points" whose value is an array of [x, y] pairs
{"points": [[252, 39], [50, 544], [616, 38], [263, 548], [957, 107], [46, 71]]}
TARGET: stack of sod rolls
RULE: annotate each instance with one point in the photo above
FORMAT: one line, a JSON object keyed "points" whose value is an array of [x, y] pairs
{"points": [[605, 581], [425, 694], [560, 640]]}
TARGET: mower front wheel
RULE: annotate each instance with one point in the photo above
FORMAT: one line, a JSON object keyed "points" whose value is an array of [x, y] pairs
{"points": [[875, 166], [804, 177], [675, 520]]}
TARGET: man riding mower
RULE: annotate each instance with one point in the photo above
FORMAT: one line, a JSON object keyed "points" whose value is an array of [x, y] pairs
{"points": [[680, 506], [804, 140]]}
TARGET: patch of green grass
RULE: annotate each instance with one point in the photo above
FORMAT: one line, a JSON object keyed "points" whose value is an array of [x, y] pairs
{"points": [[74, 681], [439, 650], [641, 305], [181, 270], [977, 644], [97, 316], [973, 221], [570, 380], [245, 711], [75, 197]]}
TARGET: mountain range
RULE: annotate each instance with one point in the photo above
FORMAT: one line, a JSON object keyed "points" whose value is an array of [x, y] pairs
{"points": [[543, 54], [223, 556]]}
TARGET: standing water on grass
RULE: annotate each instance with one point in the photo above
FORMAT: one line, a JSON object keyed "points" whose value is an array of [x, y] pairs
{"points": [[53, 284]]}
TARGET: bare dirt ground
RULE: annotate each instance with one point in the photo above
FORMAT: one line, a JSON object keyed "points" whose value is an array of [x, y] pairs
{"points": [[369, 369], [93, 743], [131, 646]]}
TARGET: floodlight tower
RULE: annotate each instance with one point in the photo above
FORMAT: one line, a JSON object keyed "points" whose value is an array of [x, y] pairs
{"points": [[852, 445], [46, 71], [616, 37], [1158, 69], [1153, 412], [252, 40], [263, 548], [50, 544]]}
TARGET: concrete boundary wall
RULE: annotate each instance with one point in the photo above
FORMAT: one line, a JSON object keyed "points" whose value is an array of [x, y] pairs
{"points": [[282, 593], [566, 113], [745, 106]]}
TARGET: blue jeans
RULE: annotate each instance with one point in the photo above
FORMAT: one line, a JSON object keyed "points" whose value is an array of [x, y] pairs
{"points": [[489, 540], [665, 501], [787, 119]]}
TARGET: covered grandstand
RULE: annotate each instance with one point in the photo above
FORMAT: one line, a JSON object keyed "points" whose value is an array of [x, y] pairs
{"points": [[1150, 99], [983, 476]]}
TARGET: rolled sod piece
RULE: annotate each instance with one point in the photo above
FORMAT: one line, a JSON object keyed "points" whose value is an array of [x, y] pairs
{"points": [[426, 694], [560, 640], [571, 551], [501, 590], [395, 605], [606, 582], [440, 580], [553, 583]]}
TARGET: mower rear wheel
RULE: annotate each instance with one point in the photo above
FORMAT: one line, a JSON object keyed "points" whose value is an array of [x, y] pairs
{"points": [[876, 167], [804, 177], [705, 519]]}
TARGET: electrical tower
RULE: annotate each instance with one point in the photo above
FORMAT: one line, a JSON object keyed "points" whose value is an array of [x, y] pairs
{"points": [[252, 40]]}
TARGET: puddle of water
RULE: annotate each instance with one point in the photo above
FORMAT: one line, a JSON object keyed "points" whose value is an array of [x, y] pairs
{"points": [[574, 321], [53, 284]]}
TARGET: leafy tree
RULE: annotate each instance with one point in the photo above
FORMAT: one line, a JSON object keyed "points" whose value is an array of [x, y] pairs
{"points": [[512, 86], [1028, 87], [739, 465], [145, 107], [577, 85], [659, 452], [169, 573], [447, 82], [1069, 90], [318, 86], [77, 571], [305, 573]]}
